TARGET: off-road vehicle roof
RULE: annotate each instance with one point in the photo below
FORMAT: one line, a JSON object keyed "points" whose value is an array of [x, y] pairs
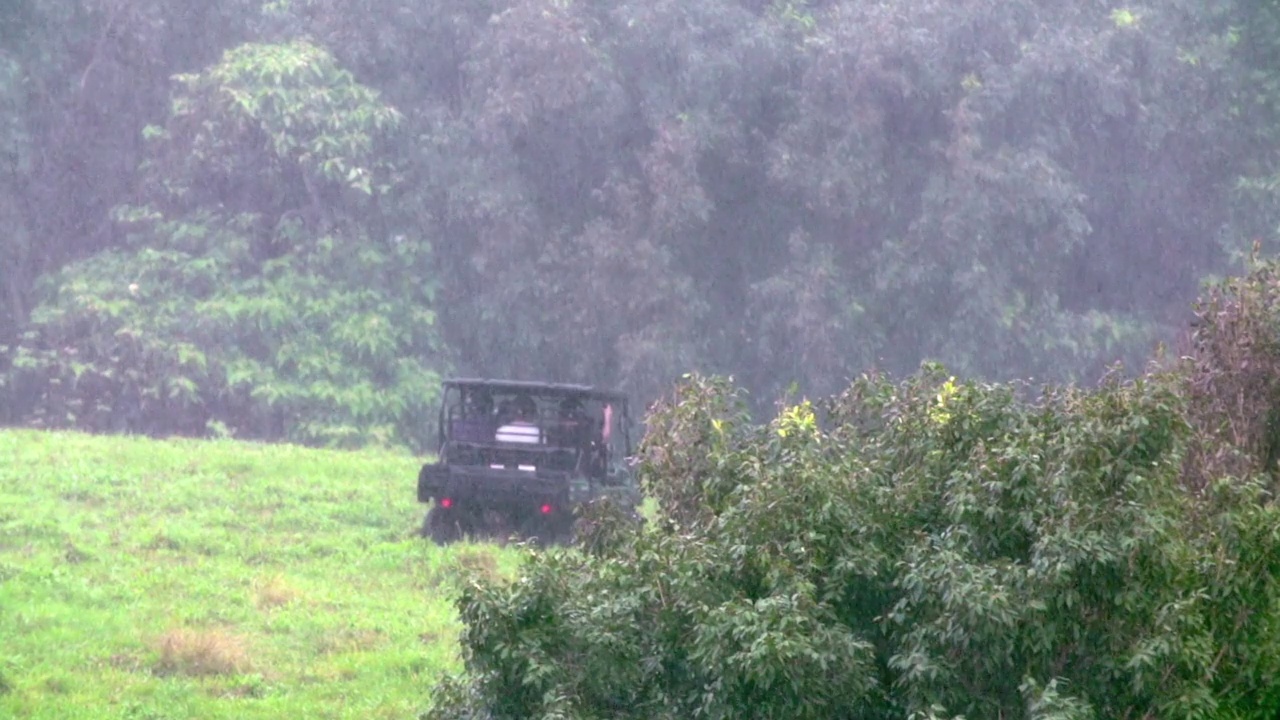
{"points": [[541, 388]]}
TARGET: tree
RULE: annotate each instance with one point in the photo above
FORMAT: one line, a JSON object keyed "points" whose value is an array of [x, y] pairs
{"points": [[263, 290], [14, 244], [78, 81], [1013, 189]]}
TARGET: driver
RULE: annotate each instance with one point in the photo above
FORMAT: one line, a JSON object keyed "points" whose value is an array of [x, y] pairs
{"points": [[480, 404], [572, 423]]}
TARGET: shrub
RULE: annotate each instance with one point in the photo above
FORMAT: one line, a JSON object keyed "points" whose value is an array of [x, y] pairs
{"points": [[1231, 378], [912, 549]]}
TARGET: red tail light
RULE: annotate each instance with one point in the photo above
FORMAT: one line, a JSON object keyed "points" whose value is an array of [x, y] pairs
{"points": [[546, 509], [446, 503]]}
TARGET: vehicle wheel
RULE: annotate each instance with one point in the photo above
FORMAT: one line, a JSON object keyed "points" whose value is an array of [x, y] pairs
{"points": [[531, 528], [524, 528], [491, 525], [557, 532], [442, 527], [566, 531]]}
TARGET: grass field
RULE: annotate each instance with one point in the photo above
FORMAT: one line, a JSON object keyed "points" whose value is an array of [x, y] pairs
{"points": [[183, 579]]}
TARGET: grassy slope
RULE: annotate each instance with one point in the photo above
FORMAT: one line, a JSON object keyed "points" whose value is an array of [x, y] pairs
{"points": [[183, 579]]}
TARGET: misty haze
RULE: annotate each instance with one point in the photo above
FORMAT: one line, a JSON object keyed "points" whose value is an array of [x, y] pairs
{"points": [[878, 227], [288, 220]]}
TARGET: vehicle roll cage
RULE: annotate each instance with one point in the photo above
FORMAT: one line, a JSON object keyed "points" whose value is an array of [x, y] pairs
{"points": [[562, 446]]}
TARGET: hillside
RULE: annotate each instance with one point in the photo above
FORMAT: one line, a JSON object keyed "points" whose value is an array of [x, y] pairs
{"points": [[176, 579]]}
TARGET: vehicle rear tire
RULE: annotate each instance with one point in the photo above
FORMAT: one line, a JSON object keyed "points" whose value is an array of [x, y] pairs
{"points": [[442, 527], [567, 530], [529, 528], [493, 525]]}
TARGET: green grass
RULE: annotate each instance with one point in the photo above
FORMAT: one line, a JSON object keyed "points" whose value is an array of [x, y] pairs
{"points": [[186, 579]]}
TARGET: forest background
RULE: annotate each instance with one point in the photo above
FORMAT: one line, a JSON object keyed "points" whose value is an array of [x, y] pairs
{"points": [[286, 220]]}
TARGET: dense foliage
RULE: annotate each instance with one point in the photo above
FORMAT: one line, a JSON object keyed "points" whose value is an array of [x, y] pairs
{"points": [[922, 549], [615, 192], [243, 299]]}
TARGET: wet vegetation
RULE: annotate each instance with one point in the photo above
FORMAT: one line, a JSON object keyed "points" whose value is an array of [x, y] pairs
{"points": [[219, 579], [927, 548], [284, 220], [944, 221]]}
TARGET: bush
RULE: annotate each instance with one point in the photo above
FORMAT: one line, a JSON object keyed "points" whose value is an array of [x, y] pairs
{"points": [[914, 549], [1232, 377]]}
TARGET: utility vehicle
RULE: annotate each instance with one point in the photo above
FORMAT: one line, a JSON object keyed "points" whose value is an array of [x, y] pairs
{"points": [[519, 457]]}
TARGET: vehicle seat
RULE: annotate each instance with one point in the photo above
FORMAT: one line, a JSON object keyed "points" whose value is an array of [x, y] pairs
{"points": [[519, 432], [470, 431]]}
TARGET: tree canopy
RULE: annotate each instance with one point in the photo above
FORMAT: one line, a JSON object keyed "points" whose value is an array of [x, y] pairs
{"points": [[609, 192]]}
